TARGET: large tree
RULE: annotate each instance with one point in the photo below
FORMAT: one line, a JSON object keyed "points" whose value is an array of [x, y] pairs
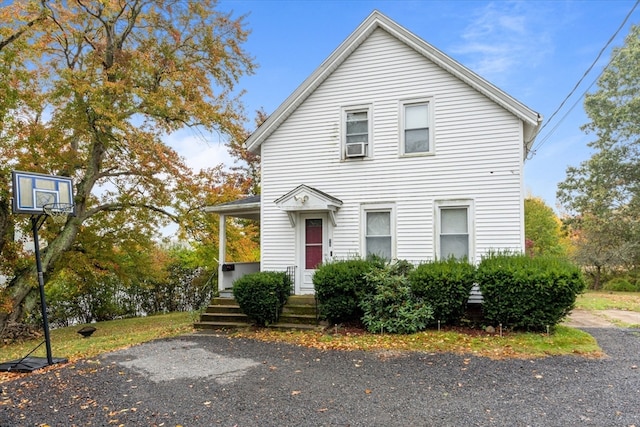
{"points": [[18, 23], [107, 81], [543, 229], [602, 195]]}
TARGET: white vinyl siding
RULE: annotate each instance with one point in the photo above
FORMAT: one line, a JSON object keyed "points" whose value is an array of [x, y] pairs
{"points": [[479, 157]]}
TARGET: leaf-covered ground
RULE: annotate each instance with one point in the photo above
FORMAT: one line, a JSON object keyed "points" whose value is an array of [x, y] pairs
{"points": [[496, 345], [221, 379]]}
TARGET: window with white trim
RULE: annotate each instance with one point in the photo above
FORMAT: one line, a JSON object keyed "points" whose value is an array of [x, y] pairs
{"points": [[357, 132], [379, 230], [454, 230], [416, 133]]}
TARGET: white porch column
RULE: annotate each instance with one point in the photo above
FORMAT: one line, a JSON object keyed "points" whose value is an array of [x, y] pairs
{"points": [[222, 249]]}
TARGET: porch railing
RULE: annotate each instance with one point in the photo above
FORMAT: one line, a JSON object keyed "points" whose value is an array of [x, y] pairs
{"points": [[291, 274]]}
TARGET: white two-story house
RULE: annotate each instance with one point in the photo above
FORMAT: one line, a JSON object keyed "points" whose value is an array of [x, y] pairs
{"points": [[391, 148]]}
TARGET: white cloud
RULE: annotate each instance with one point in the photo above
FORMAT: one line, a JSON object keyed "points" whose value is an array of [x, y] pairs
{"points": [[502, 37], [200, 151]]}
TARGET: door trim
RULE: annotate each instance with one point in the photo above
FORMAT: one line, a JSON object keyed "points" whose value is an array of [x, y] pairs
{"points": [[300, 287]]}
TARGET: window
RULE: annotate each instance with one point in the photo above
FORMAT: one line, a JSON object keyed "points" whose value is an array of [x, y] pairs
{"points": [[416, 129], [454, 236], [312, 243], [378, 231], [357, 132]]}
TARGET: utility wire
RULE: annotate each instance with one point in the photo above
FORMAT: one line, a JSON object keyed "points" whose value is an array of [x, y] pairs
{"points": [[546, 138], [550, 133]]}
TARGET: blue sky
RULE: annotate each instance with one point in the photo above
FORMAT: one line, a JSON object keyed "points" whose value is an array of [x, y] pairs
{"points": [[534, 50]]}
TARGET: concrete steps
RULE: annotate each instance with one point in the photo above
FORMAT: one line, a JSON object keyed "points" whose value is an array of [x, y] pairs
{"points": [[222, 313], [300, 312]]}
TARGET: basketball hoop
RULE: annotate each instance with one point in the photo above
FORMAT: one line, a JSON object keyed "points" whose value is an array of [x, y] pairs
{"points": [[38, 195], [58, 211]]}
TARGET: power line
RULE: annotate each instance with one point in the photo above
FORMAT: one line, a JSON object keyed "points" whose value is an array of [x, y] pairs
{"points": [[584, 75], [552, 131]]}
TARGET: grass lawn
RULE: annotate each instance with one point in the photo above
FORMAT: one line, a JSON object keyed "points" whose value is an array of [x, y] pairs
{"points": [[109, 336], [562, 341], [118, 334], [605, 300]]}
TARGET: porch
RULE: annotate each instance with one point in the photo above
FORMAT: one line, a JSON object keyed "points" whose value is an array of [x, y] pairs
{"points": [[312, 218], [228, 272]]}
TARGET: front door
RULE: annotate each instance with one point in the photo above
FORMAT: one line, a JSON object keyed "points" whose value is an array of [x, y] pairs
{"points": [[312, 250]]}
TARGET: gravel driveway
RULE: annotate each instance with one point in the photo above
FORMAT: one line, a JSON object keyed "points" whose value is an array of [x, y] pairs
{"points": [[201, 380]]}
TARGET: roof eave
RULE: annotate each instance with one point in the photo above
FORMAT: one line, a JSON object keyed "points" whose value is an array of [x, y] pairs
{"points": [[312, 82], [232, 208], [378, 20]]}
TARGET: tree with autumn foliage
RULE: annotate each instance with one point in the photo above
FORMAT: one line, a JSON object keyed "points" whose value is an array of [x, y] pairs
{"points": [[95, 87], [602, 194], [14, 76], [543, 229]]}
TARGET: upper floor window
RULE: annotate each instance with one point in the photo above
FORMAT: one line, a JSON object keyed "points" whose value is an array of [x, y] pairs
{"points": [[357, 133], [416, 128]]}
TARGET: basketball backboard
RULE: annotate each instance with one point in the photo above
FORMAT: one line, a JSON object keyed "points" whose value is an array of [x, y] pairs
{"points": [[32, 191]]}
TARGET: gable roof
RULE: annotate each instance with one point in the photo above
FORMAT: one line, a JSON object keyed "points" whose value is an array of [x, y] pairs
{"points": [[530, 118], [319, 199], [304, 198]]}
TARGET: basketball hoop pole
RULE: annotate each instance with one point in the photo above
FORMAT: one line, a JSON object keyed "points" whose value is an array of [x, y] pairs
{"points": [[41, 196], [36, 246]]}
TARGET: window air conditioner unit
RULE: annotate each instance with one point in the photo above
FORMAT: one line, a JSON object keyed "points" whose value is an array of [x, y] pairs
{"points": [[357, 149]]}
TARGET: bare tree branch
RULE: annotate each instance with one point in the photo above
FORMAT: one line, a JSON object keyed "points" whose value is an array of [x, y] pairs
{"points": [[114, 207]]}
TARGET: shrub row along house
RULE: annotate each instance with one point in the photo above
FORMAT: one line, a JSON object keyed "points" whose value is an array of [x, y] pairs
{"points": [[389, 148]]}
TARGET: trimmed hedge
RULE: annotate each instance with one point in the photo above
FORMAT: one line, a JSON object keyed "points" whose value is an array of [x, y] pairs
{"points": [[340, 286], [262, 295], [521, 292], [446, 285]]}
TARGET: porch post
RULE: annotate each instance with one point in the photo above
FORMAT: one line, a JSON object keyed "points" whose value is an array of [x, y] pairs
{"points": [[222, 249]]}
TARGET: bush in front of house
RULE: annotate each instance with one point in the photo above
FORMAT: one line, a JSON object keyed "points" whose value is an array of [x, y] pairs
{"points": [[446, 285], [340, 286], [521, 292], [392, 307], [262, 295]]}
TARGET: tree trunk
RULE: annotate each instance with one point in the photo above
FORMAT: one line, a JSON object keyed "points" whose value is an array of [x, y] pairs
{"points": [[6, 225], [22, 284], [597, 277]]}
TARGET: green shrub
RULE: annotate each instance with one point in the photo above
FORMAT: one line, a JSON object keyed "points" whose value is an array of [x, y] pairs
{"points": [[262, 295], [340, 286], [528, 293], [392, 307], [70, 300], [446, 285], [621, 284]]}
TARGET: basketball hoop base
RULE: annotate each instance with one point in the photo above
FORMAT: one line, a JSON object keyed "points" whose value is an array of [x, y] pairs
{"points": [[30, 364]]}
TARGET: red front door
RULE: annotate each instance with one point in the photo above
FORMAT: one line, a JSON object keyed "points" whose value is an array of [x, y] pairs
{"points": [[313, 248]]}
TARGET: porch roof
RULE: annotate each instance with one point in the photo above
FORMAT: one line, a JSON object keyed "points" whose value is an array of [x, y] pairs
{"points": [[308, 199], [247, 208]]}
